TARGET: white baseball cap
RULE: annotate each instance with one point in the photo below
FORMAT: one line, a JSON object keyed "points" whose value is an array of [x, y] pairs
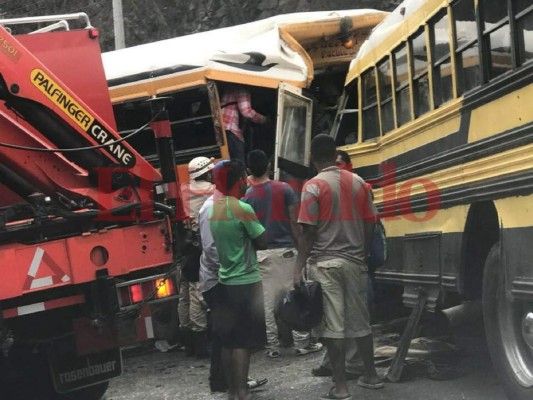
{"points": [[199, 166]]}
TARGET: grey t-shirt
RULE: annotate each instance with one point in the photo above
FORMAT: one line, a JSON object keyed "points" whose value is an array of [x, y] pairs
{"points": [[337, 202], [209, 262]]}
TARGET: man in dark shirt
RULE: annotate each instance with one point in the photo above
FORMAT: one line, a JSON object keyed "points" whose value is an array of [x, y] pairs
{"points": [[275, 202]]}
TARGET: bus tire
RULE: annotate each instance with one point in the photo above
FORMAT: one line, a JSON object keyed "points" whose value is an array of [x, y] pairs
{"points": [[511, 356]]}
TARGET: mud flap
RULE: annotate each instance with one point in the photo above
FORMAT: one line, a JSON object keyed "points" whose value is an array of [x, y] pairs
{"points": [[70, 372]]}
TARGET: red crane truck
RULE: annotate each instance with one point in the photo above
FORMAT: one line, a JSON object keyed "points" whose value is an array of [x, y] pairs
{"points": [[89, 230]]}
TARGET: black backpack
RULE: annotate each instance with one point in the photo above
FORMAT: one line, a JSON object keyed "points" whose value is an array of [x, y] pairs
{"points": [[301, 308], [378, 248]]}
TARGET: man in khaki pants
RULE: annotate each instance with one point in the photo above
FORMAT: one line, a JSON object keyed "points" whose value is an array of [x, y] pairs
{"points": [[275, 202], [337, 218]]}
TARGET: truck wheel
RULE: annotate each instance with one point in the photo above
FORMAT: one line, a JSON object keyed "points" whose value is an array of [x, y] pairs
{"points": [[27, 376], [94, 392], [509, 331]]}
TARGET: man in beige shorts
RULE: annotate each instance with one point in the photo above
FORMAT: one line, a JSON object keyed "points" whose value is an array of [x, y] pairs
{"points": [[337, 218]]}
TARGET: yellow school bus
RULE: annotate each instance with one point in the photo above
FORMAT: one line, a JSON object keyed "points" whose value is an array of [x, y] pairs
{"points": [[286, 62], [437, 114]]}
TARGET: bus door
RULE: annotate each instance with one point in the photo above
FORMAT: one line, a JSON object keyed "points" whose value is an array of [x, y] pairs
{"points": [[293, 135]]}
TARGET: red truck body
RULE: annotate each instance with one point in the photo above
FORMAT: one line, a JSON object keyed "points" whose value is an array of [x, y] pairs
{"points": [[87, 238]]}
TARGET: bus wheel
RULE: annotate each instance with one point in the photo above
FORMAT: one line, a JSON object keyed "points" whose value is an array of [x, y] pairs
{"points": [[509, 331]]}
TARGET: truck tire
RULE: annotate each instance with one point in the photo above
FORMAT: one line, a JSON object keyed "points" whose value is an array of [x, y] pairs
{"points": [[507, 338], [94, 392], [27, 376]]}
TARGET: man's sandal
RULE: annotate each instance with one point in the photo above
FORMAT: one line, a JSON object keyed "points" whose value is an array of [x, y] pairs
{"points": [[255, 383], [367, 385], [273, 353], [331, 395]]}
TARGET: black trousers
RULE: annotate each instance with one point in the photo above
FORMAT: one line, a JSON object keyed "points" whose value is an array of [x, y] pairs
{"points": [[216, 371], [236, 147]]}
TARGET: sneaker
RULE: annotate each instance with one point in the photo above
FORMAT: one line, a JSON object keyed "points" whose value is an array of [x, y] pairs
{"points": [[310, 348], [163, 346]]}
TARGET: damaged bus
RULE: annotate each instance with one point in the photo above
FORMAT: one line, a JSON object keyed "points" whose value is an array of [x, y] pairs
{"points": [[437, 114], [294, 66]]}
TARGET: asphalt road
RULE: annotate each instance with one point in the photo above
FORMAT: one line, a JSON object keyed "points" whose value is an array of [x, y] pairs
{"points": [[149, 374]]}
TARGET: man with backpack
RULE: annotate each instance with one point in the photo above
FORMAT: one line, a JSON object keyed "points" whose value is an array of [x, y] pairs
{"points": [[353, 362], [337, 217]]}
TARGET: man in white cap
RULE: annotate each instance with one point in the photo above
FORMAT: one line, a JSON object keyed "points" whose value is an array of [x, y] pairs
{"points": [[192, 310]]}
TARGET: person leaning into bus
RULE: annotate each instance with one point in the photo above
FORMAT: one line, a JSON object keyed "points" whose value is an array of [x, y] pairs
{"points": [[236, 102], [336, 232]]}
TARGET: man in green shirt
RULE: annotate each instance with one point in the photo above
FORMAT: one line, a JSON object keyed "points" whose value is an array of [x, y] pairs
{"points": [[237, 233]]}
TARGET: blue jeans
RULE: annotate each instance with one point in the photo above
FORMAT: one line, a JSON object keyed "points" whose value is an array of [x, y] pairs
{"points": [[235, 147]]}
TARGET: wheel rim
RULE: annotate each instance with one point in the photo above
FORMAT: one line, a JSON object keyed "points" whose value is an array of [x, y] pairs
{"points": [[516, 328], [527, 329]]}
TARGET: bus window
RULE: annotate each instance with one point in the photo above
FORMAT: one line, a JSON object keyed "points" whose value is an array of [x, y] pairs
{"points": [[467, 45], [403, 102], [191, 122], [442, 66], [524, 16], [132, 115], [497, 34], [385, 88], [420, 73], [293, 129], [370, 107]]}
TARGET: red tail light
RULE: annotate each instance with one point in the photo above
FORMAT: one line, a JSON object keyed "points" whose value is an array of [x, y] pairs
{"points": [[146, 291], [136, 293]]}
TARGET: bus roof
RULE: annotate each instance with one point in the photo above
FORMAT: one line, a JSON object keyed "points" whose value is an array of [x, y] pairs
{"points": [[282, 48], [385, 29]]}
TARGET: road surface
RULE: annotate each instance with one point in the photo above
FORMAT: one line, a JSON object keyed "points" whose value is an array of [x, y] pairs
{"points": [[149, 374]]}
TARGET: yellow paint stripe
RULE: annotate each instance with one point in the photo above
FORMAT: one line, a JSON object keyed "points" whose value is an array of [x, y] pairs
{"points": [[428, 128], [152, 87], [501, 164], [450, 220], [503, 114], [162, 85], [513, 212], [516, 212]]}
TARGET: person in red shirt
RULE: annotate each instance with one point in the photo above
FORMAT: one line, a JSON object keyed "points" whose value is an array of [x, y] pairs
{"points": [[235, 103]]}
